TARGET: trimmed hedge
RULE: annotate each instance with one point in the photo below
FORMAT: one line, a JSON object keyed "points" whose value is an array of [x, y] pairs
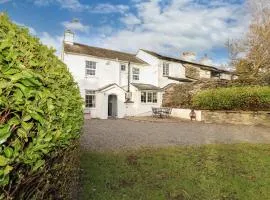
{"points": [[40, 113], [233, 98]]}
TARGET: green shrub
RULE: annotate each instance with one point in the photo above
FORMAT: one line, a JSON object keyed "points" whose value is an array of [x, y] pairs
{"points": [[233, 98], [40, 112]]}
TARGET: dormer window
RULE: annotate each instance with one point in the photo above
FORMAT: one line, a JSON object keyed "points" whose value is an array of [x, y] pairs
{"points": [[90, 68], [166, 67]]}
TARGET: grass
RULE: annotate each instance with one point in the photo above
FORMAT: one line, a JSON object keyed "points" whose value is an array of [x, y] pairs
{"points": [[240, 171]]}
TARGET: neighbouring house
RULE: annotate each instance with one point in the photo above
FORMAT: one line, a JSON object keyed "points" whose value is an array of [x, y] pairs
{"points": [[119, 84]]}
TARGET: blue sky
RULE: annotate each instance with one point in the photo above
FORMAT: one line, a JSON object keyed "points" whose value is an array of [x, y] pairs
{"points": [[169, 27]]}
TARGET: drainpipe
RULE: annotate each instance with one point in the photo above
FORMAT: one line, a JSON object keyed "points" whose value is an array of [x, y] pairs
{"points": [[128, 76]]}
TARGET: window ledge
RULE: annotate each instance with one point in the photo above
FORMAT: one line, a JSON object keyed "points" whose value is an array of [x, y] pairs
{"points": [[88, 77]]}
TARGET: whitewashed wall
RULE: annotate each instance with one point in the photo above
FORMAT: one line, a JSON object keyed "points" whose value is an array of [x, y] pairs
{"points": [[107, 71], [205, 73], [103, 102], [176, 70], [141, 109], [149, 74], [184, 113], [148, 58], [226, 76]]}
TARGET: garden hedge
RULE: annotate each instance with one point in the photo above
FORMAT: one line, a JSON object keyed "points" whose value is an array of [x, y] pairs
{"points": [[40, 114], [233, 98]]}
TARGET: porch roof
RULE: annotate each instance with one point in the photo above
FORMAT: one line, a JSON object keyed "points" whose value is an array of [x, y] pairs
{"points": [[108, 86]]}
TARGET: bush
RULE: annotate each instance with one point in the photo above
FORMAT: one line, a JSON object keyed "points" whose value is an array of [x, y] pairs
{"points": [[180, 95], [233, 98], [40, 113]]}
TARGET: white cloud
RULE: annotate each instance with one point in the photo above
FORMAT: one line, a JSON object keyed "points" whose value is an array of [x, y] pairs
{"points": [[52, 41], [4, 1], [76, 26], [47, 39], [75, 5], [42, 2], [130, 19], [105, 30], [31, 29], [182, 25], [106, 8]]}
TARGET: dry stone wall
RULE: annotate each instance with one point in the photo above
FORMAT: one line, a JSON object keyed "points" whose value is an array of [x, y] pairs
{"points": [[180, 95], [237, 117]]}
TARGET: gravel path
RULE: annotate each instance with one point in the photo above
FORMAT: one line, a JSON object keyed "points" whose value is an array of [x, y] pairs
{"points": [[117, 134]]}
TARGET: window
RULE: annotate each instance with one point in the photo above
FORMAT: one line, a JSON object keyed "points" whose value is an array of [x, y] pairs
{"points": [[136, 73], [166, 67], [149, 97], [123, 67], [154, 97], [90, 68], [90, 99], [143, 97]]}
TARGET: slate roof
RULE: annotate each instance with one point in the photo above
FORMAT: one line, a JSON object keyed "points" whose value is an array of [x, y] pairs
{"points": [[142, 86], [101, 52], [186, 80], [202, 66]]}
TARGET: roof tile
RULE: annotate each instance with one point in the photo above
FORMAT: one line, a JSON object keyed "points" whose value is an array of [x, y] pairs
{"points": [[101, 52]]}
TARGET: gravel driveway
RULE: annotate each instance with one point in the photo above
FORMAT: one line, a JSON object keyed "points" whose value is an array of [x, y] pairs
{"points": [[117, 134]]}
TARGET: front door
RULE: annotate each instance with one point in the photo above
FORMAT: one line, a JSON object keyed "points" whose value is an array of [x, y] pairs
{"points": [[112, 106]]}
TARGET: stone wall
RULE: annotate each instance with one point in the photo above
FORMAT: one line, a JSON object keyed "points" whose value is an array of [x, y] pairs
{"points": [[180, 95], [192, 72], [237, 117], [184, 114]]}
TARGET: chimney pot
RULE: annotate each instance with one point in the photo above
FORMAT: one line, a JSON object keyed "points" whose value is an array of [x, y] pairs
{"points": [[188, 56], [69, 37], [206, 60]]}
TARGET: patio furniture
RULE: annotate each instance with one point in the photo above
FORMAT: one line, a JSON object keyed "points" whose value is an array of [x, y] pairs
{"points": [[160, 112], [155, 112], [167, 111]]}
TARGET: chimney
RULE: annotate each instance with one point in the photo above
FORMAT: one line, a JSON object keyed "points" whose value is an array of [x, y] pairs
{"points": [[69, 37], [188, 56], [206, 60]]}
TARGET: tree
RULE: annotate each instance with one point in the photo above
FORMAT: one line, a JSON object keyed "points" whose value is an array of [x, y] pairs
{"points": [[251, 55]]}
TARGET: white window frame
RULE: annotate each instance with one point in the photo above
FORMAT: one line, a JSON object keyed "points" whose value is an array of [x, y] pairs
{"points": [[135, 73], [166, 69], [124, 66], [90, 98], [90, 68], [143, 97], [149, 97]]}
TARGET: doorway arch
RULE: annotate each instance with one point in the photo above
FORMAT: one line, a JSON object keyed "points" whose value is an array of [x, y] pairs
{"points": [[112, 106]]}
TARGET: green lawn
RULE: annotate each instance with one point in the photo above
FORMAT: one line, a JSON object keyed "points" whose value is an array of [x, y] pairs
{"points": [[210, 172]]}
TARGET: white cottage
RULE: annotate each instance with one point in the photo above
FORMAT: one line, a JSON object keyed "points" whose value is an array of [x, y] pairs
{"points": [[119, 84]]}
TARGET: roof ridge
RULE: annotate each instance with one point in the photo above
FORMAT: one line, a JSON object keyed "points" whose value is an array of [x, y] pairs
{"points": [[102, 52], [181, 60], [104, 49]]}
